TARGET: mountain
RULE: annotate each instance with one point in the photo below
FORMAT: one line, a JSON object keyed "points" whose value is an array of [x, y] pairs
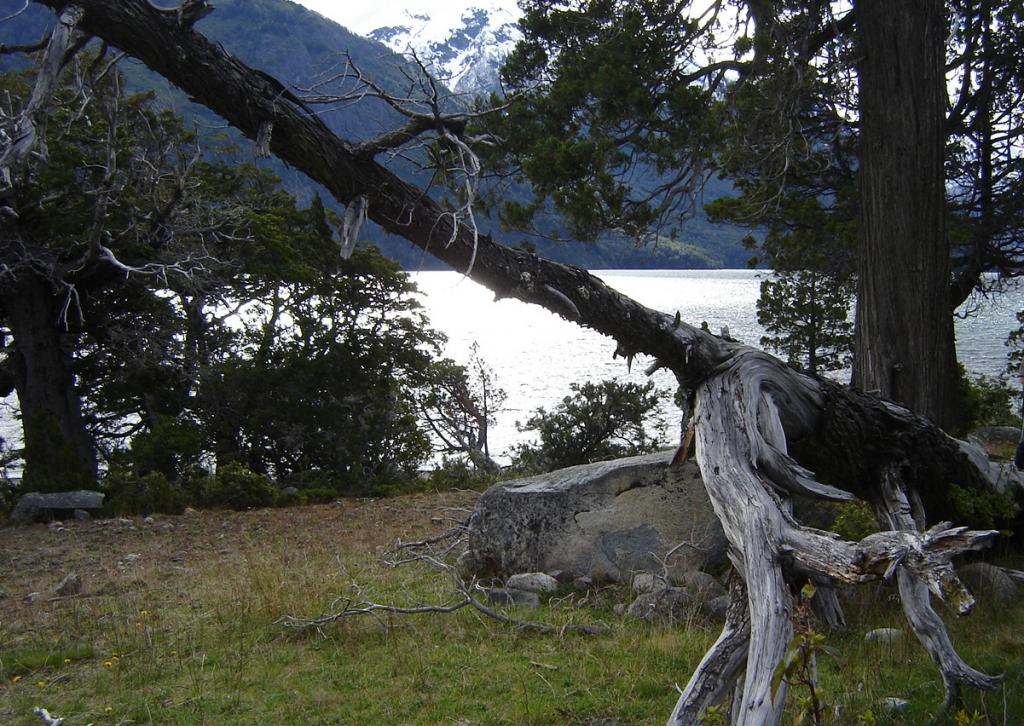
{"points": [[463, 44], [301, 48]]}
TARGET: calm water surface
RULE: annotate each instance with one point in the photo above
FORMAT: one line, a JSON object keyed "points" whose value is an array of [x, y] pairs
{"points": [[536, 355]]}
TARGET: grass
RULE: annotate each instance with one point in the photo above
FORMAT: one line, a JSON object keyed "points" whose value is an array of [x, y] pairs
{"points": [[188, 633]]}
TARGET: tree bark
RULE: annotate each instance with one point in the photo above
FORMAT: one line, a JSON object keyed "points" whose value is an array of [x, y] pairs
{"points": [[59, 454], [905, 349], [761, 427]]}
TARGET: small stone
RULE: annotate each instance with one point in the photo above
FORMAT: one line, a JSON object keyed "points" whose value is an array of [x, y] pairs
{"points": [[894, 704], [32, 597], [81, 515], [510, 596], [672, 603], [539, 582], [70, 585], [583, 583], [56, 525], [648, 582], [148, 520], [127, 559], [884, 636], [701, 584], [189, 511]]}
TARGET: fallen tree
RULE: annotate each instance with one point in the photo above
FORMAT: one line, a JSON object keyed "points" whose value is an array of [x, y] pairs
{"points": [[764, 432]]}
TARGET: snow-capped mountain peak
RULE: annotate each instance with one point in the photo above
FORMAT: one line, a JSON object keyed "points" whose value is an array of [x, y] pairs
{"points": [[462, 44]]}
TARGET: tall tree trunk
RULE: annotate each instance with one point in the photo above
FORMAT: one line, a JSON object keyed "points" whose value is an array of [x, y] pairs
{"points": [[905, 346], [59, 454]]}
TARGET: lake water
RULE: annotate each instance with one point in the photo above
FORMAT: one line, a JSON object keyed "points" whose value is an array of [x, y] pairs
{"points": [[535, 354]]}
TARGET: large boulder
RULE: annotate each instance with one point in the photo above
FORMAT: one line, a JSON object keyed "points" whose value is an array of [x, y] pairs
{"points": [[36, 506], [605, 521]]}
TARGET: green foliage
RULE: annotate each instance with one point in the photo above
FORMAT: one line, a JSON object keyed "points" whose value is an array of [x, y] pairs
{"points": [[457, 473], [599, 421], [171, 447], [805, 305], [987, 401], [799, 669], [981, 508], [604, 116], [343, 356], [235, 487], [128, 493], [854, 521]]}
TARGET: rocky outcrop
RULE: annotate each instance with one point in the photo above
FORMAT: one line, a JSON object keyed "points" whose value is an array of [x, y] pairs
{"points": [[605, 521]]}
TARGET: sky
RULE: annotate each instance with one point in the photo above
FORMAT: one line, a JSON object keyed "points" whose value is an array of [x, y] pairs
{"points": [[362, 17]]}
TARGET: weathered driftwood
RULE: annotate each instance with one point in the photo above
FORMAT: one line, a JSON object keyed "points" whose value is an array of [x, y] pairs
{"points": [[763, 431]]}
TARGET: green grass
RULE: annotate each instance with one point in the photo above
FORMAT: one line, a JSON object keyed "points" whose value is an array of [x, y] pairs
{"points": [[215, 653]]}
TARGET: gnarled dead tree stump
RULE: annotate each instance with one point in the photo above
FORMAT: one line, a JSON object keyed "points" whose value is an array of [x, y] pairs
{"points": [[764, 432]]}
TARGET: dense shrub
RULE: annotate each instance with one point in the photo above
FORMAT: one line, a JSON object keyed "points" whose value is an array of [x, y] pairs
{"points": [[986, 401], [151, 493], [236, 487], [599, 421]]}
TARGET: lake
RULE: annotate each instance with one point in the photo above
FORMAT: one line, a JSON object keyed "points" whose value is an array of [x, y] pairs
{"points": [[535, 354]]}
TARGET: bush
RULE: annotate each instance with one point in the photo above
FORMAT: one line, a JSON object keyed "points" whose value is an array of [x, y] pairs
{"points": [[981, 509], [236, 487], [986, 401], [854, 520], [457, 473], [152, 493], [600, 421]]}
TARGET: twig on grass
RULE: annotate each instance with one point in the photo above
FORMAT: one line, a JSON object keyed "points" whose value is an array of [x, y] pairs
{"points": [[465, 595]]}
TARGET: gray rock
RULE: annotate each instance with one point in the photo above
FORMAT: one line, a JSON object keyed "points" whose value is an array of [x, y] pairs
{"points": [[894, 704], [988, 436], [70, 585], [715, 608], [583, 584], [619, 608], [671, 604], [648, 582], [606, 521], [148, 520], [511, 596], [37, 506], [32, 597], [81, 515], [539, 582], [988, 581], [701, 584], [884, 636]]}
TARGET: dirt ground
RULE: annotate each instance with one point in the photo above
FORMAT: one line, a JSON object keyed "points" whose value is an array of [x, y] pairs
{"points": [[162, 551]]}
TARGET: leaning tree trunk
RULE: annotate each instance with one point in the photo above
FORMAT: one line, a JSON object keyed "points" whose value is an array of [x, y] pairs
{"points": [[764, 431], [904, 331], [58, 450]]}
